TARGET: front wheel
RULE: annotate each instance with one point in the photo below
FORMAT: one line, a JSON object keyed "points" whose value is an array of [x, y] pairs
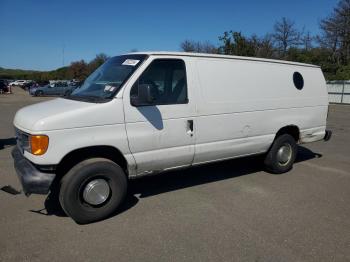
{"points": [[92, 190], [39, 93], [282, 154]]}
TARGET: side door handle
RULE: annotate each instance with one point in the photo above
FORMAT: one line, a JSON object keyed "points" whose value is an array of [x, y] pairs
{"points": [[190, 127]]}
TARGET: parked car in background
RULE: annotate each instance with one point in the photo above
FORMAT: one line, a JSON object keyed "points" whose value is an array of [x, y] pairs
{"points": [[43, 83], [4, 86], [19, 82], [9, 82], [57, 89], [29, 85], [32, 88]]}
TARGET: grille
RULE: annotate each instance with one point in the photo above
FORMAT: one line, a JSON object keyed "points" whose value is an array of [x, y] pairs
{"points": [[22, 140]]}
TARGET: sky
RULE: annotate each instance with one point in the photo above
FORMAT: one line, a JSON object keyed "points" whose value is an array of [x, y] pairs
{"points": [[34, 33]]}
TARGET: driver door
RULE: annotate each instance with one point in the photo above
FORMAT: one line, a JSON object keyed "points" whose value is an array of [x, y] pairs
{"points": [[161, 134]]}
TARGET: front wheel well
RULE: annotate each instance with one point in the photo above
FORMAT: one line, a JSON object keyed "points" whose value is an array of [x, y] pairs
{"points": [[290, 130], [78, 155]]}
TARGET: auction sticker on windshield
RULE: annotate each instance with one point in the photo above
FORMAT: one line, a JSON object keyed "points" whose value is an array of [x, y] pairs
{"points": [[131, 62], [109, 88]]}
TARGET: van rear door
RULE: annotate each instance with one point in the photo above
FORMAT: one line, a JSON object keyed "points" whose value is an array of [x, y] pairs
{"points": [[160, 133]]}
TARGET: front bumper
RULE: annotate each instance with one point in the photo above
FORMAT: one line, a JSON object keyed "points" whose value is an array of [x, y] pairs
{"points": [[32, 180]]}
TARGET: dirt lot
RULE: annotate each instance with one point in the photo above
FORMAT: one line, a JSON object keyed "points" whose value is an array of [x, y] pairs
{"points": [[229, 211]]}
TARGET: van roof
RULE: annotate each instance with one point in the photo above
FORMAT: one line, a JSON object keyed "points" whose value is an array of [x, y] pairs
{"points": [[205, 55]]}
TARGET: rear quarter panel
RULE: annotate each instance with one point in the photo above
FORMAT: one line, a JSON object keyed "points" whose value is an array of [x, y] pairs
{"points": [[243, 104]]}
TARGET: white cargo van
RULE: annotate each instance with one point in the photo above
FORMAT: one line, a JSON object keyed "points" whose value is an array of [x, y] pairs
{"points": [[144, 113]]}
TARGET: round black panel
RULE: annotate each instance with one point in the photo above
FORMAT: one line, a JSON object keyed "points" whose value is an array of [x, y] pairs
{"points": [[298, 80]]}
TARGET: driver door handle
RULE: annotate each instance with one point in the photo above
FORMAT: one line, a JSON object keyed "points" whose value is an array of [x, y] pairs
{"points": [[190, 127]]}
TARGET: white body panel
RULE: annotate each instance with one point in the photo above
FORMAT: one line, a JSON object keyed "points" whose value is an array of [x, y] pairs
{"points": [[243, 104], [62, 113], [237, 106]]}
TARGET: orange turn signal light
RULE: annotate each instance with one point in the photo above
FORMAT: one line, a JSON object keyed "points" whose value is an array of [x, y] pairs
{"points": [[39, 144]]}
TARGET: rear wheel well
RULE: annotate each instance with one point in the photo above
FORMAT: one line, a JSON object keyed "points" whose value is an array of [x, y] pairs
{"points": [[78, 155], [290, 130]]}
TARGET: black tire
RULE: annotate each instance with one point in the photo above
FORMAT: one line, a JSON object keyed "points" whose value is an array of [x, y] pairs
{"points": [[72, 188], [273, 162], [39, 93]]}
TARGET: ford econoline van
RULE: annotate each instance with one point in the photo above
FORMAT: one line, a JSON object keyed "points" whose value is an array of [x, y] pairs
{"points": [[145, 113]]}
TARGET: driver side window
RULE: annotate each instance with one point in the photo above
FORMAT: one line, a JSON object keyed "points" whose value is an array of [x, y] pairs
{"points": [[167, 80]]}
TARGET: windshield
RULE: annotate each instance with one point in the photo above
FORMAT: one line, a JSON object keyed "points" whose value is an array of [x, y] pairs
{"points": [[105, 82]]}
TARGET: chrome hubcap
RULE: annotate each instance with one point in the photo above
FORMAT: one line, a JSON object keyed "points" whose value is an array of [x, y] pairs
{"points": [[96, 192], [284, 154]]}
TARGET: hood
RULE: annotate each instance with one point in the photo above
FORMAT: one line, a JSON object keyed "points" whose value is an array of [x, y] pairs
{"points": [[64, 113]]}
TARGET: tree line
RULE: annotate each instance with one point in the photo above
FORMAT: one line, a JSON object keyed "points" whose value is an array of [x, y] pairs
{"points": [[78, 70], [330, 49]]}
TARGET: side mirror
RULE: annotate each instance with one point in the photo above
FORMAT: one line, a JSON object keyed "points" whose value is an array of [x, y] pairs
{"points": [[144, 97]]}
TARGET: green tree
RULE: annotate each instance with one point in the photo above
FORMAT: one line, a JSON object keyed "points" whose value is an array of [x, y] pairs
{"points": [[97, 62], [198, 47], [79, 70], [265, 48], [234, 43], [336, 32]]}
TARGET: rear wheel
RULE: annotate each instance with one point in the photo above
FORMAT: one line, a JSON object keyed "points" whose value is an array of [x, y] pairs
{"points": [[282, 154], [92, 190]]}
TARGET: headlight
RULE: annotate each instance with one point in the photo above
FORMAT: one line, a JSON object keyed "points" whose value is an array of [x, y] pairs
{"points": [[38, 144]]}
